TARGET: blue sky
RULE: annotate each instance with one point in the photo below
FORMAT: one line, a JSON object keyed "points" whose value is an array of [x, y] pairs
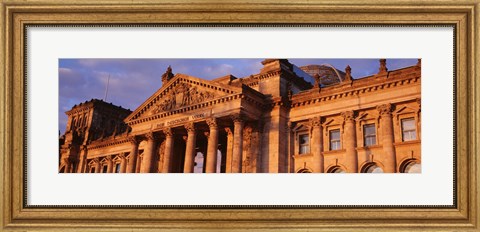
{"points": [[132, 81]]}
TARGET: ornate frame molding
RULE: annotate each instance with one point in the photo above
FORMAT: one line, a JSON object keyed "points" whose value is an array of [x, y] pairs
{"points": [[16, 14]]}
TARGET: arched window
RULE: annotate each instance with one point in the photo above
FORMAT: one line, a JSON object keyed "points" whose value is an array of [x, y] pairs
{"points": [[304, 170], [372, 168], [336, 169], [411, 166]]}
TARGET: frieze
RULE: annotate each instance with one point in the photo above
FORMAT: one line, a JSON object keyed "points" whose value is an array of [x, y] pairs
{"points": [[183, 120]]}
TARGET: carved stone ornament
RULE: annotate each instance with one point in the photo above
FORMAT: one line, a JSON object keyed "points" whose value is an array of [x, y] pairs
{"points": [[181, 95], [133, 140], [150, 136], [247, 135], [316, 77], [229, 131], [212, 122], [348, 115], [348, 73], [168, 131], [168, 75], [315, 122], [190, 127], [383, 66], [385, 109]]}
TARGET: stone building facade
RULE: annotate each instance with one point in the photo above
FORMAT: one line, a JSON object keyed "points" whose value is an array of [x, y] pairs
{"points": [[276, 121]]}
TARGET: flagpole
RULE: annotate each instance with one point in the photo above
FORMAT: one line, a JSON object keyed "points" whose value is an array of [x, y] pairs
{"points": [[106, 89]]}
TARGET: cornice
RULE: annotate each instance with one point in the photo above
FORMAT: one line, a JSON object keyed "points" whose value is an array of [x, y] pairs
{"points": [[342, 91], [108, 142]]}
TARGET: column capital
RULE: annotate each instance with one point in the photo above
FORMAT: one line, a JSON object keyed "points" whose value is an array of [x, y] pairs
{"points": [[133, 140], [190, 127], [348, 115], [212, 122], [385, 109], [315, 122], [151, 136], [167, 131], [237, 117]]}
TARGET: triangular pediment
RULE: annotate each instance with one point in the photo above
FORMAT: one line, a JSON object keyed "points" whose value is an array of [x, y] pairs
{"points": [[180, 92]]}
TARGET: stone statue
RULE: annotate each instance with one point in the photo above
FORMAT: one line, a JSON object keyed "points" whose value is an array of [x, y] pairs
{"points": [[168, 75]]}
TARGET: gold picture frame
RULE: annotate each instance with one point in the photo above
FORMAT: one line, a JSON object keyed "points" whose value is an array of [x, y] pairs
{"points": [[463, 14]]}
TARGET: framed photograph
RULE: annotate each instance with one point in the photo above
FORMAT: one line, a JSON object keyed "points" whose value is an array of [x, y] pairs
{"points": [[239, 115]]}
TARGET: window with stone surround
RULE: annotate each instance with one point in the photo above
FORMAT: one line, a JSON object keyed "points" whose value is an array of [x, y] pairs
{"points": [[409, 131], [117, 168], [335, 140], [372, 168], [304, 143], [336, 169], [369, 135], [104, 169]]}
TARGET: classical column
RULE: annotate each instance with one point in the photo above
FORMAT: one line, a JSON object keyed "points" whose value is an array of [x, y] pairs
{"points": [[132, 158], [390, 160], [83, 158], [168, 155], [317, 145], [67, 165], [149, 153], [97, 166], [190, 148], [212, 146], [228, 167], [351, 158], [123, 163], [109, 164], [237, 143]]}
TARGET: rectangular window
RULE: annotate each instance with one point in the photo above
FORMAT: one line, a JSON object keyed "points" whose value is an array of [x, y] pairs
{"points": [[304, 144], [409, 131], [334, 140], [117, 168], [92, 170], [369, 135], [105, 168]]}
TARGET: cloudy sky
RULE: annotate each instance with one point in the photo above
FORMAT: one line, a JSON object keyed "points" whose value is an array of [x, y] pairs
{"points": [[132, 81]]}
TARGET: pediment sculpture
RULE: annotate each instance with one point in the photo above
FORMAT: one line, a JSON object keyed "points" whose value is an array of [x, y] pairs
{"points": [[182, 95]]}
